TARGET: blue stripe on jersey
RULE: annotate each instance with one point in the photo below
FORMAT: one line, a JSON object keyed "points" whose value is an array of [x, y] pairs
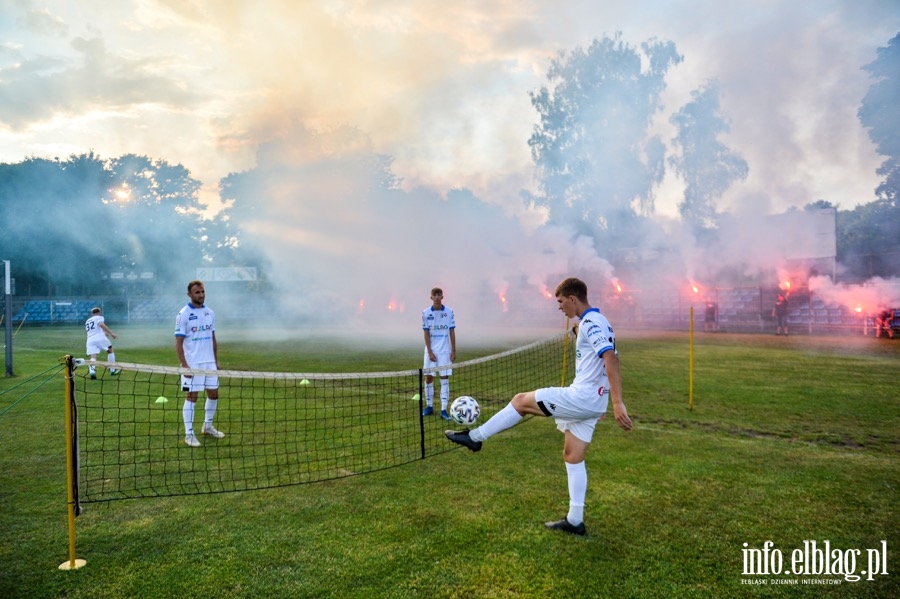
{"points": [[604, 348]]}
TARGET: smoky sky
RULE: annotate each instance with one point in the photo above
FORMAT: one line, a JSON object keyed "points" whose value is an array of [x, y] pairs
{"points": [[442, 89], [262, 100]]}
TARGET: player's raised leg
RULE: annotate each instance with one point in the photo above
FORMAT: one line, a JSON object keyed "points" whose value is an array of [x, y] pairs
{"points": [[521, 405]]}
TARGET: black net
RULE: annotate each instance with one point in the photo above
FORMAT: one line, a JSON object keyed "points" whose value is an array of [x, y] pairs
{"points": [[280, 428]]}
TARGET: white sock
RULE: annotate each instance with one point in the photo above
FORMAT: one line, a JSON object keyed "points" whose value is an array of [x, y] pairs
{"points": [[577, 491], [429, 394], [502, 420], [445, 393], [210, 410], [111, 357], [187, 412]]}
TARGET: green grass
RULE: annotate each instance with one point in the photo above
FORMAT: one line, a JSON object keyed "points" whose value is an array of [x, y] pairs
{"points": [[790, 439]]}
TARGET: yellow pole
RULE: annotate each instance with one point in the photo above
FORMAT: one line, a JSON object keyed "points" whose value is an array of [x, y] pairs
{"points": [[72, 563], [24, 318], [565, 353], [691, 363]]}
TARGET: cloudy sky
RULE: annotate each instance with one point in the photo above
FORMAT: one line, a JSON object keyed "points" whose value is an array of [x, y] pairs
{"points": [[440, 86]]}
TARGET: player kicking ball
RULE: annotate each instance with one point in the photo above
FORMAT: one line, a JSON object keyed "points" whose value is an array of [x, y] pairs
{"points": [[576, 408]]}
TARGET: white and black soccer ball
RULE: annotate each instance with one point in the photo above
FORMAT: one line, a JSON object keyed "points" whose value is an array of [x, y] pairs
{"points": [[465, 410]]}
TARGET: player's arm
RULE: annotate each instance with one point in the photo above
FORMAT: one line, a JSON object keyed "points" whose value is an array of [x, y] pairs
{"points": [[431, 355], [215, 349], [453, 345], [107, 331], [611, 359], [179, 351]]}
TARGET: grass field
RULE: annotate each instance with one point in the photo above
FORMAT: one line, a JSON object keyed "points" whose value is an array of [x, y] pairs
{"points": [[791, 440]]}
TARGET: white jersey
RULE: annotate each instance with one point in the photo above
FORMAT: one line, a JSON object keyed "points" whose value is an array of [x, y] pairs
{"points": [[93, 329], [197, 326], [439, 323], [595, 337]]}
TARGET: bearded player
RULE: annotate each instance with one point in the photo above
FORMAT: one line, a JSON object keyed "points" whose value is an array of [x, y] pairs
{"points": [[196, 347]]}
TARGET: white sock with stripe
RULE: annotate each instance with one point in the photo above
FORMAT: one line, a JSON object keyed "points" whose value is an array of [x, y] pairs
{"points": [[187, 412], [577, 491], [502, 420]]}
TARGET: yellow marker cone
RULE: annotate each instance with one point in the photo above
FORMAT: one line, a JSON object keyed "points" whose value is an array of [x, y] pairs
{"points": [[304, 382], [415, 397], [161, 399]]}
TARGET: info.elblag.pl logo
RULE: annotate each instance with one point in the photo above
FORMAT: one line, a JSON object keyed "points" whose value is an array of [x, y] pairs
{"points": [[814, 559]]}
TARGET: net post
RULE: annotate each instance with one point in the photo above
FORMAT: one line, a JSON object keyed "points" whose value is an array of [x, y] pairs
{"points": [[71, 563], [421, 415], [7, 314], [691, 362]]}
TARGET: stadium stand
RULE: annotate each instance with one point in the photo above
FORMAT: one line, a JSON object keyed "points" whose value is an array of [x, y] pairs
{"points": [[741, 310], [54, 311], [155, 310]]}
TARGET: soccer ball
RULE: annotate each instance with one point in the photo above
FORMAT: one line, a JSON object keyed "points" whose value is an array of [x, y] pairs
{"points": [[465, 410]]}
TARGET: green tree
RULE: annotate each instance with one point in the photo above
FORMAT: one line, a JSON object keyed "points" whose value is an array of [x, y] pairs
{"points": [[820, 205], [880, 115], [869, 235], [707, 166], [69, 223], [53, 221], [158, 221], [595, 159], [867, 240]]}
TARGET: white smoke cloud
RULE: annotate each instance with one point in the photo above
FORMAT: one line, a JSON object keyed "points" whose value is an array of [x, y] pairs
{"points": [[441, 88], [869, 298], [340, 245]]}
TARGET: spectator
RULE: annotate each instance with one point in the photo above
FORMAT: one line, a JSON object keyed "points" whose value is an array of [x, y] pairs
{"points": [[883, 323], [711, 316], [780, 313]]}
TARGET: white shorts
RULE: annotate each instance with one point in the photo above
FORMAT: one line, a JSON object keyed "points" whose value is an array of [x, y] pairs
{"points": [[97, 344], [199, 382], [442, 359], [575, 410]]}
